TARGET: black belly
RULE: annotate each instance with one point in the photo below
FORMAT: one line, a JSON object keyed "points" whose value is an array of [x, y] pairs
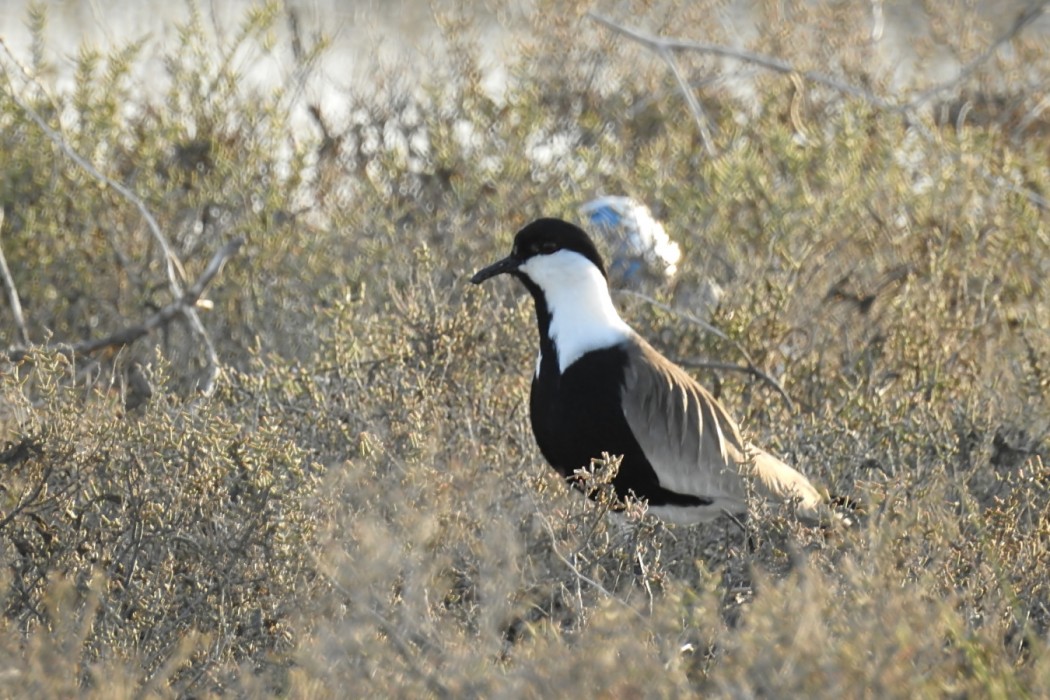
{"points": [[576, 416]]}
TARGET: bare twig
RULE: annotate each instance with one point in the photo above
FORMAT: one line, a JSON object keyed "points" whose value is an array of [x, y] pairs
{"points": [[580, 576], [691, 99], [677, 312], [12, 291], [178, 307], [751, 367], [664, 45], [659, 43], [1032, 114], [173, 265]]}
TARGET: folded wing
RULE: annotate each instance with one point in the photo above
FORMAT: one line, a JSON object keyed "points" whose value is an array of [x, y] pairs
{"points": [[694, 446]]}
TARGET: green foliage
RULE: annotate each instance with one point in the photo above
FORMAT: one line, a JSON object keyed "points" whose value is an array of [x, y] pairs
{"points": [[360, 503]]}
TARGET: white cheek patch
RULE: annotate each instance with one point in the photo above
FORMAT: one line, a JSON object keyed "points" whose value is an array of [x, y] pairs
{"points": [[583, 317]]}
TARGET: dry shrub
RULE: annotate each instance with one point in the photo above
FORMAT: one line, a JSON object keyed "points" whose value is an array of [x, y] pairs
{"points": [[360, 504]]}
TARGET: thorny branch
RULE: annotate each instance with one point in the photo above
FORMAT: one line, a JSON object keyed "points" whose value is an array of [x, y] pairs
{"points": [[663, 46], [173, 265]]}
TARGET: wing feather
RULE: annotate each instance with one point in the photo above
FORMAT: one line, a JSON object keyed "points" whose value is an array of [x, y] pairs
{"points": [[694, 446]]}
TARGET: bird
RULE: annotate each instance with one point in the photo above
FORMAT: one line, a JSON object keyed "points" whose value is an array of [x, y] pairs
{"points": [[599, 387]]}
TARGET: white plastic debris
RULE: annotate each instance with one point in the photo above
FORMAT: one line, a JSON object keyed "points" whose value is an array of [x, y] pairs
{"points": [[637, 243]]}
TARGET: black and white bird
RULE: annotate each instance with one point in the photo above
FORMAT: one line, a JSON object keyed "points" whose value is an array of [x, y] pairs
{"points": [[600, 387]]}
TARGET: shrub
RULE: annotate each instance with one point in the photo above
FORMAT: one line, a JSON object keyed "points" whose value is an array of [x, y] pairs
{"points": [[358, 503]]}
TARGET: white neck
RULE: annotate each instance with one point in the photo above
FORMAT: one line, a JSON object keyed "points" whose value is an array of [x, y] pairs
{"points": [[583, 317]]}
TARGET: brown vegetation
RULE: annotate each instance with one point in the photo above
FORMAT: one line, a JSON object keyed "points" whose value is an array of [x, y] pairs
{"points": [[355, 500]]}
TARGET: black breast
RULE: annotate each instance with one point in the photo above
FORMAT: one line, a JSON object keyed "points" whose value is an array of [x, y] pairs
{"points": [[577, 415]]}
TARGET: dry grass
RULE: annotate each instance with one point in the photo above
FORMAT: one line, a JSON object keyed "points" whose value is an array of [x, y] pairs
{"points": [[360, 504]]}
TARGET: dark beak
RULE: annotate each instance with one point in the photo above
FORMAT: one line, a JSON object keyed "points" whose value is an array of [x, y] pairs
{"points": [[507, 264]]}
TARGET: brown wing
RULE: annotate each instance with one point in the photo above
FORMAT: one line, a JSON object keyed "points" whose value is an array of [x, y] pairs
{"points": [[694, 446]]}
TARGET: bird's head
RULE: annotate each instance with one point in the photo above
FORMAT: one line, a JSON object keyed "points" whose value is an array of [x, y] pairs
{"points": [[564, 273], [548, 253]]}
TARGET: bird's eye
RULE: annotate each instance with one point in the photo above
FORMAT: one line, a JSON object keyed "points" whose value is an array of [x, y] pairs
{"points": [[548, 247]]}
